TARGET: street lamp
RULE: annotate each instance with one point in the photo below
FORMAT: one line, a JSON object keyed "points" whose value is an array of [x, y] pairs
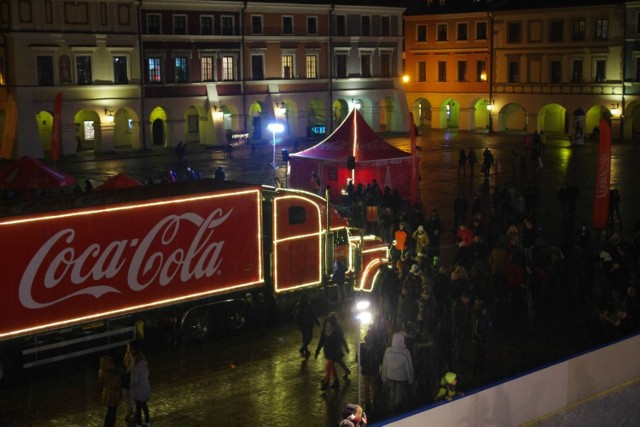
{"points": [[275, 128], [364, 318]]}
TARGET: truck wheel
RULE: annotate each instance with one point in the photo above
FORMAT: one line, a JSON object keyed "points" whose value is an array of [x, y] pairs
{"points": [[6, 369], [196, 327]]}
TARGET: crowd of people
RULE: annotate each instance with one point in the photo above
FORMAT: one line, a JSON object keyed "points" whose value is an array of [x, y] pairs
{"points": [[439, 323]]}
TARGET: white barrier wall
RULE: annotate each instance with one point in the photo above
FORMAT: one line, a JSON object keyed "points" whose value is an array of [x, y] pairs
{"points": [[539, 393]]}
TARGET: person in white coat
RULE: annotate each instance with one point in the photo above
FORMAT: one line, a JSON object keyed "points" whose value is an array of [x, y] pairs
{"points": [[140, 387], [397, 371]]}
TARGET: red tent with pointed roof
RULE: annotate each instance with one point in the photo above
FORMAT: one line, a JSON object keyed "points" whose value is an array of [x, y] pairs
{"points": [[27, 173], [118, 181], [375, 159]]}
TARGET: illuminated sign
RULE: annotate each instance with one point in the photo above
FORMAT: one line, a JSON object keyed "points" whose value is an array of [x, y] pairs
{"points": [[94, 263]]}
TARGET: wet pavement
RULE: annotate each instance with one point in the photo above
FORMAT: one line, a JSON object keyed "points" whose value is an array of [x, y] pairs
{"points": [[261, 379]]}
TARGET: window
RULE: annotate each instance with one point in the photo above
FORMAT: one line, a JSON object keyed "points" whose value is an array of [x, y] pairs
{"points": [[481, 71], [179, 24], [638, 23], [638, 69], [366, 26], [341, 25], [120, 70], [578, 29], [385, 65], [181, 69], [206, 68], [257, 67], [385, 26], [287, 25], [45, 70], [227, 23], [602, 29], [600, 66], [341, 65], [155, 70], [287, 66], [228, 68], [514, 32], [312, 25], [442, 71], [422, 71], [576, 71], [206, 25], [462, 71], [421, 33], [513, 71], [441, 31], [153, 23], [365, 64], [256, 24], [83, 70], [556, 29], [312, 66], [462, 30], [555, 72], [481, 30], [2, 82]]}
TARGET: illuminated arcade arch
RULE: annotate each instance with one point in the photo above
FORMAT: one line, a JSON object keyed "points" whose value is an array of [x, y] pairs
{"points": [[126, 129], [512, 118], [159, 126], [422, 113], [44, 120], [88, 130], [552, 119]]}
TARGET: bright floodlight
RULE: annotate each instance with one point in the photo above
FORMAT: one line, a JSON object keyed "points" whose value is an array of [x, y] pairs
{"points": [[275, 127], [362, 305], [364, 317]]}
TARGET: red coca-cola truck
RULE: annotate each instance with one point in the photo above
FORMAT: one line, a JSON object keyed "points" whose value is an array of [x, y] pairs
{"points": [[90, 272]]}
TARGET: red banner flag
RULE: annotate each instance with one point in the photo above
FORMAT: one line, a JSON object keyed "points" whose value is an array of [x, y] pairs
{"points": [[55, 130], [603, 179], [414, 161]]}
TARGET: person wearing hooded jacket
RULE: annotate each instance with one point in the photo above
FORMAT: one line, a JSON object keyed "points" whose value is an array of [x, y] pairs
{"points": [[111, 389], [448, 385], [397, 370], [332, 341]]}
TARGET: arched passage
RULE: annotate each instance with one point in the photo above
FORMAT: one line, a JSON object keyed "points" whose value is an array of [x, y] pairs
{"points": [[552, 119], [159, 131], [422, 113], [126, 129], [88, 130], [512, 118], [450, 114], [44, 120]]}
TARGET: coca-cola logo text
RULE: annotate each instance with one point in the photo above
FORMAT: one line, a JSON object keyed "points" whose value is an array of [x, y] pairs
{"points": [[155, 259]]}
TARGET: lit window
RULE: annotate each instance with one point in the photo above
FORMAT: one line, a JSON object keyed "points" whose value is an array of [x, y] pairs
{"points": [[206, 68], [228, 68], [287, 66], [155, 70], [312, 66]]}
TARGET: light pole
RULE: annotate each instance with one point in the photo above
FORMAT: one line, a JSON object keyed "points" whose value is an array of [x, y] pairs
{"points": [[275, 127], [364, 317]]}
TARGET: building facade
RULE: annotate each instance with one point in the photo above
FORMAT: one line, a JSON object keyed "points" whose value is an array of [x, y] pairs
{"points": [[545, 66], [146, 74]]}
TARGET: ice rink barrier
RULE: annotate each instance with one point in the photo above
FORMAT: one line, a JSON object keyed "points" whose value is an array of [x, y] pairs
{"points": [[534, 395]]}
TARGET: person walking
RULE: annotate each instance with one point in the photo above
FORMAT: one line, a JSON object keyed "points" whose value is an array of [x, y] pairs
{"points": [[332, 341], [305, 318], [473, 159], [111, 389], [462, 162], [397, 371], [140, 387]]}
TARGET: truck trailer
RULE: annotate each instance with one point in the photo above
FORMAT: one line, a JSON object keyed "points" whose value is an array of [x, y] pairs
{"points": [[90, 272]]}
